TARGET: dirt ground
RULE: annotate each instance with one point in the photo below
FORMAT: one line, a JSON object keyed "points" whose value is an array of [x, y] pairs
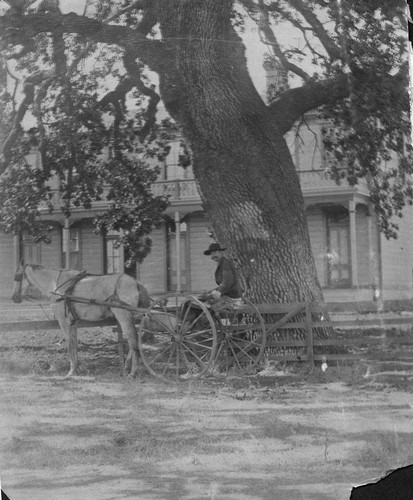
{"points": [[293, 434]]}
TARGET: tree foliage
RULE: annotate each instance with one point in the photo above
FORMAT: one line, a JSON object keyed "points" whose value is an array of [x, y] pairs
{"points": [[350, 64], [87, 137]]}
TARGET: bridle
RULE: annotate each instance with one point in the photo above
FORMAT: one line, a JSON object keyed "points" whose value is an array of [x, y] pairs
{"points": [[20, 273]]}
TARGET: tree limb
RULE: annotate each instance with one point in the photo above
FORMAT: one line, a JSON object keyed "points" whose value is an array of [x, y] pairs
{"points": [[153, 53], [138, 5], [308, 14], [295, 102], [28, 92], [133, 79], [267, 35]]}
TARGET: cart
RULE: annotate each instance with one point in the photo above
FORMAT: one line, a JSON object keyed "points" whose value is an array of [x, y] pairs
{"points": [[182, 338]]}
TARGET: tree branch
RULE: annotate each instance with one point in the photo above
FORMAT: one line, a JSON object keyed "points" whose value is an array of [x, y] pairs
{"points": [[268, 37], [295, 102], [138, 5], [133, 79], [150, 115], [28, 91], [308, 14], [153, 53]]}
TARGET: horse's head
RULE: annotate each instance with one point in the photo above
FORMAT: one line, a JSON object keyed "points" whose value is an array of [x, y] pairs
{"points": [[20, 284], [25, 285]]}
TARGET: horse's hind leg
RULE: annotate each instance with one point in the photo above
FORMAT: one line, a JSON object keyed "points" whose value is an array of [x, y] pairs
{"points": [[127, 325]]}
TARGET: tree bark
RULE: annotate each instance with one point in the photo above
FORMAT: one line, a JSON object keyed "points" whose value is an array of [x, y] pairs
{"points": [[248, 183]]}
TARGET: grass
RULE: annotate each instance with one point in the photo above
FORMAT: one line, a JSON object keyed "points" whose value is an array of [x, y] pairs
{"points": [[385, 450]]}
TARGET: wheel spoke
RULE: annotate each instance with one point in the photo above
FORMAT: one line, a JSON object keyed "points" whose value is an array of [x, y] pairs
{"points": [[162, 324], [186, 312], [194, 354], [247, 350], [177, 362], [173, 348], [183, 343], [241, 341], [235, 357], [159, 354], [205, 347], [194, 322]]}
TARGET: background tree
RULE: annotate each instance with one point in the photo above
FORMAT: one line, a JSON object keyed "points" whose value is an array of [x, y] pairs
{"points": [[87, 146], [356, 74]]}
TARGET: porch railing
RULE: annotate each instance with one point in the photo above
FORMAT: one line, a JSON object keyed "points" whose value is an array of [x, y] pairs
{"points": [[179, 190]]}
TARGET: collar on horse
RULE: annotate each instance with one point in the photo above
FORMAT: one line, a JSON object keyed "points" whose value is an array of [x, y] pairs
{"points": [[68, 291]]}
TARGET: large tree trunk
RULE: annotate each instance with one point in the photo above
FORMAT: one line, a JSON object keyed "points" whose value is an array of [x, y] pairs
{"points": [[248, 182]]}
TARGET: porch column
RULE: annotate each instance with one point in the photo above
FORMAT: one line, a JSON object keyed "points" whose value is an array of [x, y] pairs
{"points": [[66, 242], [353, 243], [178, 251], [122, 254]]}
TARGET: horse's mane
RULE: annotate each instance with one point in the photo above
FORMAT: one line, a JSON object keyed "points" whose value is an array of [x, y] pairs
{"points": [[35, 266]]}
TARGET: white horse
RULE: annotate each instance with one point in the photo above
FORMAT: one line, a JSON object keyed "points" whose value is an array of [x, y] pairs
{"points": [[100, 293]]}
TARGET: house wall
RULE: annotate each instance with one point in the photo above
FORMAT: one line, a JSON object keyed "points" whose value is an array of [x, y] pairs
{"points": [[50, 253], [368, 247], [202, 267], [397, 260], [152, 272], [317, 230], [367, 250], [7, 265], [91, 248]]}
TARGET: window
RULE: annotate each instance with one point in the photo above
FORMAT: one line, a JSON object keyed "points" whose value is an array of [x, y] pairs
{"points": [[113, 254], [173, 169], [30, 250], [338, 248]]}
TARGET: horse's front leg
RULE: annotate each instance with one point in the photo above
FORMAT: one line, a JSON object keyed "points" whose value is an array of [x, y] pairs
{"points": [[72, 348], [70, 332], [127, 325]]}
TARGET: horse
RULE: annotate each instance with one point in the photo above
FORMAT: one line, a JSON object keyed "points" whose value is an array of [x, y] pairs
{"points": [[99, 294]]}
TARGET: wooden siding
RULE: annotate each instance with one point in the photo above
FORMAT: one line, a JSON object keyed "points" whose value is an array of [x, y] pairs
{"points": [[91, 249], [152, 272], [50, 253], [318, 239], [366, 247], [7, 265], [202, 267], [397, 260]]}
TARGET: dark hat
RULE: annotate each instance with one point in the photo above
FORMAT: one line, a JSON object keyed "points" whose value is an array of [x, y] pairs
{"points": [[213, 247]]}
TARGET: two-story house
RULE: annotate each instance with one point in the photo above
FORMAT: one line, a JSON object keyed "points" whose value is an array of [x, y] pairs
{"points": [[355, 262]]}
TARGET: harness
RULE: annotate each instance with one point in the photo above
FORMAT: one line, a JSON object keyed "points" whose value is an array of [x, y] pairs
{"points": [[70, 300], [67, 288], [68, 291]]}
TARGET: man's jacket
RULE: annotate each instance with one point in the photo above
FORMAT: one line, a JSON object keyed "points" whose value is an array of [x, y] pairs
{"points": [[227, 279]]}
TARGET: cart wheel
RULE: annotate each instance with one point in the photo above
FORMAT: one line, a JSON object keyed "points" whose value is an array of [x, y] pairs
{"points": [[177, 338], [241, 340]]}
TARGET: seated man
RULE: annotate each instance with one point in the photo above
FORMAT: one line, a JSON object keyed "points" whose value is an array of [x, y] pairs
{"points": [[229, 287]]}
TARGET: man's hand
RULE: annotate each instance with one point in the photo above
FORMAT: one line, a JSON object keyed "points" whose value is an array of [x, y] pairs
{"points": [[215, 294]]}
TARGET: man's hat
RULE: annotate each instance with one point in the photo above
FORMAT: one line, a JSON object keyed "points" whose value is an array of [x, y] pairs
{"points": [[213, 247]]}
